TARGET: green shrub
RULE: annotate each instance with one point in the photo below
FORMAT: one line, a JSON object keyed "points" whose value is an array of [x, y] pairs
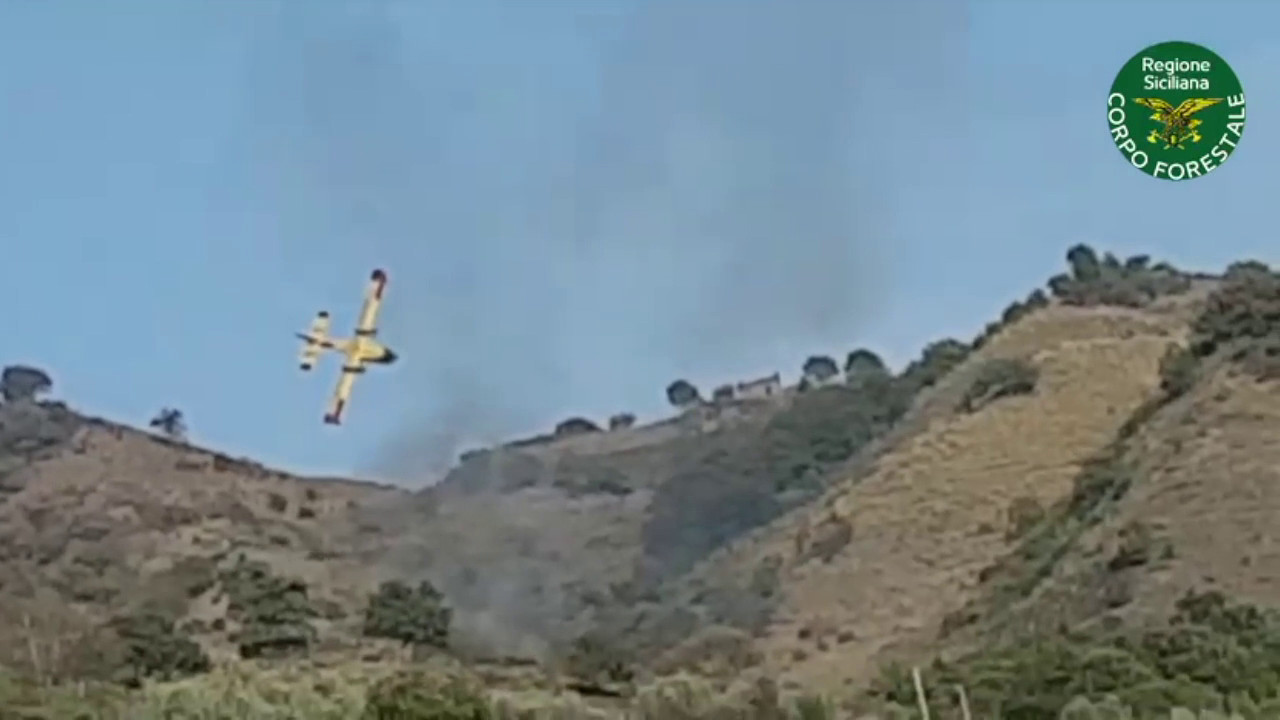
{"points": [[1108, 708], [1241, 319], [251, 693], [587, 475], [999, 378], [678, 697], [22, 698], [682, 393], [863, 363], [418, 695], [1016, 310], [414, 616], [1179, 368], [1024, 513], [576, 426], [718, 491], [814, 707], [153, 647], [277, 502], [1210, 655], [826, 427], [937, 359], [598, 661], [1108, 281], [819, 368], [274, 612], [23, 382]]}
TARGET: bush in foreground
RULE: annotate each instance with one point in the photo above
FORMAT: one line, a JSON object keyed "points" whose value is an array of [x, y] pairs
{"points": [[413, 695]]}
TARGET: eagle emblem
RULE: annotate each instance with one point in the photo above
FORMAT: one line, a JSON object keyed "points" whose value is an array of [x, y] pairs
{"points": [[1177, 124]]}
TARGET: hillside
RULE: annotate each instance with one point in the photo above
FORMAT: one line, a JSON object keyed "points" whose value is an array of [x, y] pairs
{"points": [[1161, 552], [875, 566], [104, 522], [98, 520], [1066, 487]]}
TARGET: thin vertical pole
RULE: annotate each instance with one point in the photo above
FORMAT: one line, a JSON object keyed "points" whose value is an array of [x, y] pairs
{"points": [[964, 702], [920, 699]]}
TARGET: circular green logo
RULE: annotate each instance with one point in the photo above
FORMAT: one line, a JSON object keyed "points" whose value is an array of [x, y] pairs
{"points": [[1176, 111]]}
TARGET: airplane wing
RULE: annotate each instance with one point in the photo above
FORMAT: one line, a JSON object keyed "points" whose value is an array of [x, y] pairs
{"points": [[367, 325], [342, 393]]}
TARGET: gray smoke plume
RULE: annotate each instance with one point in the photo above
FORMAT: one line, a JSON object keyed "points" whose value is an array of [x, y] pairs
{"points": [[582, 201]]}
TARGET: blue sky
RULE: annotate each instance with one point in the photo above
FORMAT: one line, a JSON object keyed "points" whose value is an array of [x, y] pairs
{"points": [[576, 202]]}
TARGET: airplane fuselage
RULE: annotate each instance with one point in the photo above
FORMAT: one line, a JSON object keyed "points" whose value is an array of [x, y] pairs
{"points": [[360, 350], [366, 349]]}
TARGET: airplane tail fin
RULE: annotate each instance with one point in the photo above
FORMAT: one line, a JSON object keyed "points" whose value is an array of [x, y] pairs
{"points": [[313, 339]]}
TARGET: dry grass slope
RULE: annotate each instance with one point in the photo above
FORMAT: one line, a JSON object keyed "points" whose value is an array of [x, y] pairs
{"points": [[932, 513], [1201, 515]]}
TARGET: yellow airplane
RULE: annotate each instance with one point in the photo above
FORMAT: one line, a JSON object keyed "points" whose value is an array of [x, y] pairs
{"points": [[360, 350]]}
